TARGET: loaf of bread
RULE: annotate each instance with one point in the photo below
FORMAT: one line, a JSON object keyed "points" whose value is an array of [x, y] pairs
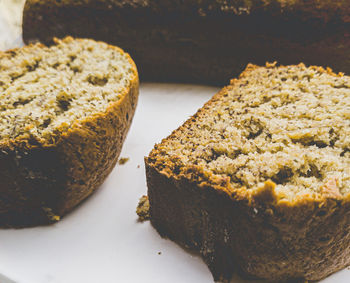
{"points": [[202, 41], [259, 178], [64, 114]]}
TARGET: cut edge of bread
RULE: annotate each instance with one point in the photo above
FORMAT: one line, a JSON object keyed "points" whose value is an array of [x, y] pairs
{"points": [[28, 141], [265, 194]]}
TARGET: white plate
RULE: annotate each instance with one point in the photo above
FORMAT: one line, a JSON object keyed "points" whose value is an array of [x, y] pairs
{"points": [[101, 241]]}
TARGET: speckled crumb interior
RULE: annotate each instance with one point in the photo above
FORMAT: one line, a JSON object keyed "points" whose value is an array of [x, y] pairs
{"points": [[289, 124], [45, 88]]}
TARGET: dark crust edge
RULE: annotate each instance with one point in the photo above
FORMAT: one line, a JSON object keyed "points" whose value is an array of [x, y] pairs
{"points": [[256, 232], [43, 180], [259, 238]]}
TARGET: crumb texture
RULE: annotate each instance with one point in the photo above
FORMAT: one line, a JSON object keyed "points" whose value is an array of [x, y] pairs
{"points": [[288, 124], [47, 89]]}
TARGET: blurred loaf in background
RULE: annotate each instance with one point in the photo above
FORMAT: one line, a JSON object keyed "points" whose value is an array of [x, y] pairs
{"points": [[207, 41]]}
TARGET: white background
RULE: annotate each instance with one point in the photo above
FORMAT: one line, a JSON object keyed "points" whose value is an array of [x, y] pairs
{"points": [[101, 240]]}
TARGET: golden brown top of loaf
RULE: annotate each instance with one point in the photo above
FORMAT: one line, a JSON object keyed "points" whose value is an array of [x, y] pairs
{"points": [[45, 90], [282, 128]]}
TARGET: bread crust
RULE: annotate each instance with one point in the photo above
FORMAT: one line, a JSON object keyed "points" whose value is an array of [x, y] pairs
{"points": [[259, 237], [256, 232], [202, 41], [43, 180]]}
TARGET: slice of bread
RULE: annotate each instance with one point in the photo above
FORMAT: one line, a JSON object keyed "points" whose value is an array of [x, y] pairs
{"points": [[259, 178], [64, 114]]}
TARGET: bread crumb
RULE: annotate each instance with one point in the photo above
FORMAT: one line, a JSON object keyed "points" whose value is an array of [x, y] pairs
{"points": [[123, 160], [142, 209], [51, 215]]}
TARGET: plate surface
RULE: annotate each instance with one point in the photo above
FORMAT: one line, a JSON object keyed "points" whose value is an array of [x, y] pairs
{"points": [[101, 241]]}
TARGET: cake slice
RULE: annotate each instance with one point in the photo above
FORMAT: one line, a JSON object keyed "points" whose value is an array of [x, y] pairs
{"points": [[65, 110], [258, 180]]}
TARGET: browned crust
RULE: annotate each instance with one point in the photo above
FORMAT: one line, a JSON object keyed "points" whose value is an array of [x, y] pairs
{"points": [[256, 231], [179, 40], [261, 239], [42, 180], [325, 9]]}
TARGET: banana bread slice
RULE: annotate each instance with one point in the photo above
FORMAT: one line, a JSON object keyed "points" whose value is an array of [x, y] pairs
{"points": [[207, 41], [64, 114], [258, 180]]}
